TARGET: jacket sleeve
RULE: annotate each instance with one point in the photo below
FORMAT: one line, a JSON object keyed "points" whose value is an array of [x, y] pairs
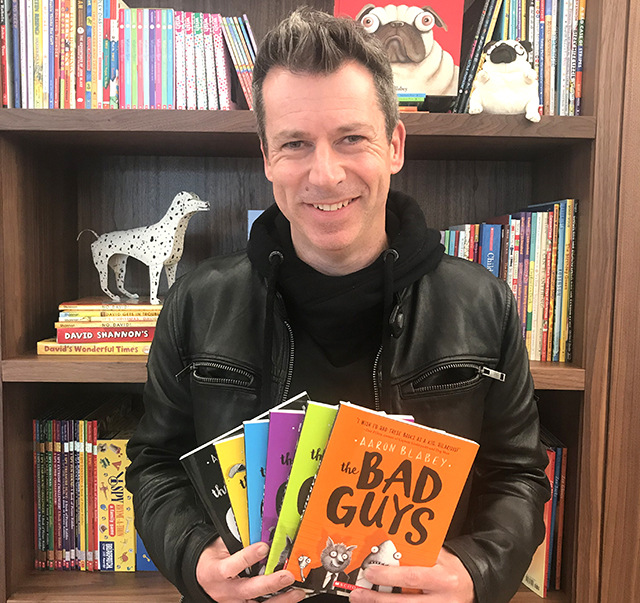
{"points": [[505, 519], [168, 516]]}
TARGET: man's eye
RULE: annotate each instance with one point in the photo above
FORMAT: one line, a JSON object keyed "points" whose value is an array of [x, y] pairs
{"points": [[294, 144], [353, 139]]}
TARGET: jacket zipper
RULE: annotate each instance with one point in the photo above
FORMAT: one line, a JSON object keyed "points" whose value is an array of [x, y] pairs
{"points": [[483, 371], [376, 388], [287, 382], [218, 365]]}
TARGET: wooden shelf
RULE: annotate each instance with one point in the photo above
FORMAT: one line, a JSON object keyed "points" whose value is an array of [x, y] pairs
{"points": [[32, 368], [191, 133], [141, 587]]}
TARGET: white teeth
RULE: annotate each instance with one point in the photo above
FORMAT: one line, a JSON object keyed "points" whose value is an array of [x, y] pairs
{"points": [[333, 207]]}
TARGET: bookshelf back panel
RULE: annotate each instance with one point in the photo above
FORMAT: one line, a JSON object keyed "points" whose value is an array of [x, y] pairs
{"points": [[118, 193], [39, 228]]}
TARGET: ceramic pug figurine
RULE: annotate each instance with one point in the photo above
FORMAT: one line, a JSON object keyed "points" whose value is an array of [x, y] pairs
{"points": [[506, 84]]}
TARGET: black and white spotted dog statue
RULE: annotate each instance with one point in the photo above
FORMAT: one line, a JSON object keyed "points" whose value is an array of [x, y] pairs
{"points": [[159, 245]]}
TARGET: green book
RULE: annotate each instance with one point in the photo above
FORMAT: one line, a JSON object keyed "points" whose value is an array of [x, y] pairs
{"points": [[314, 434]]}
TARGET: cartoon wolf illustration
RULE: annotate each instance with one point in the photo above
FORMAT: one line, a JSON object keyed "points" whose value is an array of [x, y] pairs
{"points": [[335, 560]]}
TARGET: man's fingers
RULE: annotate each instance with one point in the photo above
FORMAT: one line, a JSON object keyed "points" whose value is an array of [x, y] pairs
{"points": [[233, 565], [251, 588], [291, 596], [404, 576]]}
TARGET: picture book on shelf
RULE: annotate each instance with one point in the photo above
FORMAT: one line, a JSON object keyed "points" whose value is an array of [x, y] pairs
{"points": [[386, 492], [424, 51]]}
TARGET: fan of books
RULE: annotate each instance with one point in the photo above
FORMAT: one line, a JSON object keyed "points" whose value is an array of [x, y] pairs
{"points": [[96, 325], [312, 479]]}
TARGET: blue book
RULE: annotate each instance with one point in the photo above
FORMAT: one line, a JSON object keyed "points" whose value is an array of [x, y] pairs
{"points": [[15, 29], [170, 62], [143, 561], [256, 435], [491, 236]]}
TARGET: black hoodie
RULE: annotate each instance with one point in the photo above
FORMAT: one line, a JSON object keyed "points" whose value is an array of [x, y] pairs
{"points": [[340, 322]]}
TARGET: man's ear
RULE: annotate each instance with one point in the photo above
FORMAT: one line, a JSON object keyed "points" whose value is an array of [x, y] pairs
{"points": [[265, 159], [397, 147]]}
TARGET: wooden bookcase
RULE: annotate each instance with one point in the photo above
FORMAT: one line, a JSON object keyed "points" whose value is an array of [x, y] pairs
{"points": [[65, 170]]}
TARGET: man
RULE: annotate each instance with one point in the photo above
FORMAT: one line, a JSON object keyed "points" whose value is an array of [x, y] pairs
{"points": [[345, 293]]}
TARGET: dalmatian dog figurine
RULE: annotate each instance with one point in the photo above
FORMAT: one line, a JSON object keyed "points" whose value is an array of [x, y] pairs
{"points": [[506, 84], [418, 61], [159, 245]]}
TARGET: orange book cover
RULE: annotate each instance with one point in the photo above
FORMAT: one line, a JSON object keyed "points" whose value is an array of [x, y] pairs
{"points": [[385, 493]]}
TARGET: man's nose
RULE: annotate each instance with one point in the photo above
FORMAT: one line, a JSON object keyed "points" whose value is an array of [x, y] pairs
{"points": [[326, 168]]}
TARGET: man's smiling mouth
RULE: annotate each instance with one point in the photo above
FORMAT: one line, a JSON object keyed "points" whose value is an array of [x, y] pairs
{"points": [[333, 206]]}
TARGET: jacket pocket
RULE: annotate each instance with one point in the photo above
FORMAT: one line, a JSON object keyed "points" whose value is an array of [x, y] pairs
{"points": [[211, 372], [449, 378]]}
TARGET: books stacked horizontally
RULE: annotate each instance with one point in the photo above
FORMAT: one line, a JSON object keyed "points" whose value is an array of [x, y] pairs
{"points": [[83, 512], [95, 325], [544, 573], [534, 251], [101, 54], [331, 480], [555, 29]]}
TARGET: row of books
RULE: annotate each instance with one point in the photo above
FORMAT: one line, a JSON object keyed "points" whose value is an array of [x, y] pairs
{"points": [[83, 514], [556, 31], [100, 54], [534, 251], [321, 482], [544, 573], [95, 325]]}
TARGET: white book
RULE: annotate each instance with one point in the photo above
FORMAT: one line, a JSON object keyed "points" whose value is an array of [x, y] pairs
{"points": [[145, 55], [223, 63], [190, 61], [30, 84], [210, 63]]}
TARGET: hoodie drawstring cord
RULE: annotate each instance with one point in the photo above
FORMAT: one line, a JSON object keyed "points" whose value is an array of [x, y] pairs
{"points": [[275, 260], [390, 256]]}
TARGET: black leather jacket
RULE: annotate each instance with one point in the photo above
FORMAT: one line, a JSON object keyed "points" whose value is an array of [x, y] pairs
{"points": [[455, 335]]}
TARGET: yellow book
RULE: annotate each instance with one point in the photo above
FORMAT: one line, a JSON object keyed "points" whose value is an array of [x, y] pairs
{"points": [[234, 471], [566, 279], [105, 324], [50, 347], [116, 533]]}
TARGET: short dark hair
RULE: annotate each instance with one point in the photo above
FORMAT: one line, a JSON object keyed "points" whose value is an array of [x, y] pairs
{"points": [[312, 41]]}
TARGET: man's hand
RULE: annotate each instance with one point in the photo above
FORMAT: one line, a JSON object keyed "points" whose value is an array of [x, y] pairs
{"points": [[218, 574], [446, 582]]}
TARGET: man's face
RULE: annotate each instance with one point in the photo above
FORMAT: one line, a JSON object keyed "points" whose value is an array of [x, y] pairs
{"points": [[330, 163]]}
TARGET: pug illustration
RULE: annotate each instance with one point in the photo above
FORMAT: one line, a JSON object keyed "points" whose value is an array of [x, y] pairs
{"points": [[382, 554], [507, 83], [418, 61]]}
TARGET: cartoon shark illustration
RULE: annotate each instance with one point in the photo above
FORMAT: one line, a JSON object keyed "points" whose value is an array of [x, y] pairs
{"points": [[382, 554]]}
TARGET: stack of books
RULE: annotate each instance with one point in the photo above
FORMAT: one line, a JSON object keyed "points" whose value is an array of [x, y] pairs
{"points": [[83, 512], [95, 325], [101, 54], [322, 482], [544, 573], [556, 31], [534, 251]]}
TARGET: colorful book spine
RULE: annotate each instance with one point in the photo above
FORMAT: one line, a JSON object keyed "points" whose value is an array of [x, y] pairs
{"points": [[124, 56], [170, 73], [559, 281], [566, 278], [88, 83], [210, 63], [80, 47], [164, 63], [15, 53], [491, 235], [532, 257], [146, 75], [51, 347], [190, 62], [158, 60], [91, 500], [114, 74], [37, 54], [106, 55], [99, 334], [223, 67], [139, 58], [134, 58], [201, 73], [4, 55], [316, 428], [23, 66], [46, 74], [284, 430], [547, 287], [256, 435], [152, 57], [117, 539], [180, 72], [98, 50]]}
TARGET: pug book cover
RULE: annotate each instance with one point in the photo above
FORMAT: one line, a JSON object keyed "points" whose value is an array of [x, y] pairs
{"points": [[423, 42], [385, 493]]}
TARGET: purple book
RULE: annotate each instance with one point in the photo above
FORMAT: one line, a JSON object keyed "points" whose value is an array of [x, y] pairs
{"points": [[284, 429]]}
